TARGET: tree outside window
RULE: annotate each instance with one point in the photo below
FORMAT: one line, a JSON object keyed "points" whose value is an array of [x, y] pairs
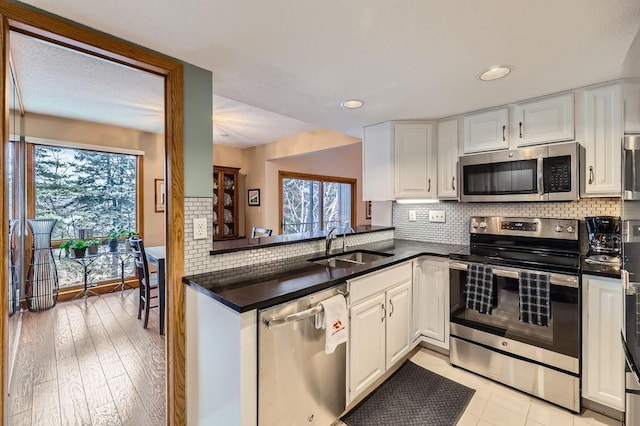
{"points": [[85, 189], [313, 203]]}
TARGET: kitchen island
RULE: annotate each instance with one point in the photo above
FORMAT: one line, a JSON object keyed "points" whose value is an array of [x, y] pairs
{"points": [[222, 314]]}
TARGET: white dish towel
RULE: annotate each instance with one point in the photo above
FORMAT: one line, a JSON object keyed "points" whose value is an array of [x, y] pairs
{"points": [[333, 320]]}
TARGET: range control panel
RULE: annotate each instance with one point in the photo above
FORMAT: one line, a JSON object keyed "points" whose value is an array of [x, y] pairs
{"points": [[566, 229]]}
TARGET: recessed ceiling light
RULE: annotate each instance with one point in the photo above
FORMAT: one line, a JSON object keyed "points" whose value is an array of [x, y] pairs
{"points": [[495, 73], [351, 104]]}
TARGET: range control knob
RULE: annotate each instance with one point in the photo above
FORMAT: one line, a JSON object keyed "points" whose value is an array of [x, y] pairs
{"points": [[474, 225], [558, 228], [571, 229], [483, 225]]}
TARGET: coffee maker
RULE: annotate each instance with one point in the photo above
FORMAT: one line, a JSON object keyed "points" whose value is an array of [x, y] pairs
{"points": [[604, 239]]}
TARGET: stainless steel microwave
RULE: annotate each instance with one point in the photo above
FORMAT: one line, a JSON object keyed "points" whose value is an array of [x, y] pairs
{"points": [[539, 173], [631, 167]]}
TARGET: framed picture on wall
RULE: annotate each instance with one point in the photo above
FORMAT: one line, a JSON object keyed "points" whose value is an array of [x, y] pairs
{"points": [[367, 211], [159, 199], [254, 197]]}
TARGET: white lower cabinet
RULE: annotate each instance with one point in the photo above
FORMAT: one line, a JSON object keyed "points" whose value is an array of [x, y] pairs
{"points": [[398, 322], [367, 343], [380, 325], [431, 300], [602, 353]]}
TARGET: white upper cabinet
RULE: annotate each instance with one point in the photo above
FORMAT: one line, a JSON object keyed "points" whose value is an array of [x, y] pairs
{"points": [[544, 120], [486, 131], [602, 141], [377, 162], [632, 106], [415, 161], [448, 160]]}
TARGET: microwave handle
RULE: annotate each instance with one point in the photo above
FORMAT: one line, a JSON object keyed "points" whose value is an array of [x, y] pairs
{"points": [[540, 176]]}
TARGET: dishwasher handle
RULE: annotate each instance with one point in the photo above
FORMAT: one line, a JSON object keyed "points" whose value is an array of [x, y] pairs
{"points": [[270, 322]]}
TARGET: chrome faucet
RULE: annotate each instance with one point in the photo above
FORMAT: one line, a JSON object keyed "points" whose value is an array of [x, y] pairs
{"points": [[346, 228], [330, 235]]}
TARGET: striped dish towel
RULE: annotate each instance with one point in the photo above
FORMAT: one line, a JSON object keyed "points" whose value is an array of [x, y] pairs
{"points": [[534, 295], [479, 288]]}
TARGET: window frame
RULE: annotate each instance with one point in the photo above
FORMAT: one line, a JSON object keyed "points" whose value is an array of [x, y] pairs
{"points": [[322, 179], [30, 179]]}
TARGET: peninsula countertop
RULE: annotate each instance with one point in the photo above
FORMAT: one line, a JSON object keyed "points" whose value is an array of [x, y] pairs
{"points": [[264, 285]]}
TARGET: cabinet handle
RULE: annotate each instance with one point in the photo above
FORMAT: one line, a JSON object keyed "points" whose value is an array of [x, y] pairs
{"points": [[590, 175], [384, 312], [429, 182], [521, 130], [391, 306], [504, 128], [453, 183]]}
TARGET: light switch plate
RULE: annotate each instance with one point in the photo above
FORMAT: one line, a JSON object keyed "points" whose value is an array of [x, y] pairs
{"points": [[199, 228], [436, 216], [412, 215]]}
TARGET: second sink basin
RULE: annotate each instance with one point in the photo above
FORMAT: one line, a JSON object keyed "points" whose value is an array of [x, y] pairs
{"points": [[350, 259]]}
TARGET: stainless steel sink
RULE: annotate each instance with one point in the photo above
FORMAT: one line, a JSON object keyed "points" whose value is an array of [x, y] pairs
{"points": [[349, 259]]}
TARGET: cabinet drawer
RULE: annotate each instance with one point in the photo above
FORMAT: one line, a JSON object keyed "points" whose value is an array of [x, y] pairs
{"points": [[361, 288]]}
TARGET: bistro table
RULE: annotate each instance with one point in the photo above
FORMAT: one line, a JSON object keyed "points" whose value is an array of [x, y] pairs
{"points": [[123, 256], [85, 262], [156, 256]]}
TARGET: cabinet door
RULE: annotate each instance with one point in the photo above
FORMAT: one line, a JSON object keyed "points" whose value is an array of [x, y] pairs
{"points": [[602, 140], [366, 344], [448, 160], [434, 282], [632, 107], [545, 120], [399, 336], [416, 300], [486, 131], [414, 161], [603, 357], [377, 162]]}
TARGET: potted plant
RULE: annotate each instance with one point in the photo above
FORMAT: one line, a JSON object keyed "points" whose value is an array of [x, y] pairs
{"points": [[114, 235], [93, 245], [130, 234], [78, 247]]}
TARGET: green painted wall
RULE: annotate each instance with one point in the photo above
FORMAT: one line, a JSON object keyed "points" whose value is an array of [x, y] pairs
{"points": [[198, 131]]}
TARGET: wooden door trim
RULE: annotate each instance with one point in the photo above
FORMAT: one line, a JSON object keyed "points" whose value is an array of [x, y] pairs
{"points": [[29, 21]]}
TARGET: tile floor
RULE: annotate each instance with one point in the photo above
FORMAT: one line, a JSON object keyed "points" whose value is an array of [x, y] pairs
{"points": [[497, 405]]}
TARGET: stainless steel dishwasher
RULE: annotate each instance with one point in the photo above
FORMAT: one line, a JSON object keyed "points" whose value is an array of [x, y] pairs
{"points": [[298, 384]]}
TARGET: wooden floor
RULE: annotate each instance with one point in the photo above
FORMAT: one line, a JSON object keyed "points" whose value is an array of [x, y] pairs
{"points": [[89, 364]]}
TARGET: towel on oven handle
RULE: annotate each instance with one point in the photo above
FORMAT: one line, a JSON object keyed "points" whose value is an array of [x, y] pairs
{"points": [[479, 288], [534, 296]]}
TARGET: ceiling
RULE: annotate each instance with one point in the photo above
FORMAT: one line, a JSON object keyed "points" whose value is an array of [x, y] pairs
{"points": [[407, 59]]}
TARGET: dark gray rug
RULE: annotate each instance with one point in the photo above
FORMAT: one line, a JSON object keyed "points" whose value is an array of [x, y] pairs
{"points": [[413, 396]]}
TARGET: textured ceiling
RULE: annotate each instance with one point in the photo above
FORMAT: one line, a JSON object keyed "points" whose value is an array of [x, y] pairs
{"points": [[57, 81], [406, 59]]}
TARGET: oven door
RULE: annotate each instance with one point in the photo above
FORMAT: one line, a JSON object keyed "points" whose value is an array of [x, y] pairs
{"points": [[562, 335]]}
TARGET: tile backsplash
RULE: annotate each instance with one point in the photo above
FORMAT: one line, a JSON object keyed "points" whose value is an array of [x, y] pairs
{"points": [[455, 229], [279, 253]]}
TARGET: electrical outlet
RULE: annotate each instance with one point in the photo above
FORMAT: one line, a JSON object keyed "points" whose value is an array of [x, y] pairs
{"points": [[412, 216], [436, 216], [200, 228]]}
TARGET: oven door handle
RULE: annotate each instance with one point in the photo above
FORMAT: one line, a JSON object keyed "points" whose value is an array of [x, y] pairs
{"points": [[555, 279]]}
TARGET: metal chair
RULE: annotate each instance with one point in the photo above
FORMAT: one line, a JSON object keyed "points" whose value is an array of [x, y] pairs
{"points": [[260, 232], [145, 284]]}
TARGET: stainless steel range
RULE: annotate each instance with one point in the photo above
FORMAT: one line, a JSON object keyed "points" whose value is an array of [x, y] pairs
{"points": [[515, 305]]}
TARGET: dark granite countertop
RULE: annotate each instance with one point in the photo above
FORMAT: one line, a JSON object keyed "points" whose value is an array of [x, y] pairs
{"points": [[228, 246], [265, 285]]}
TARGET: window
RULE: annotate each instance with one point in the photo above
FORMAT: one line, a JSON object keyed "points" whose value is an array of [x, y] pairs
{"points": [[313, 203], [84, 189]]}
